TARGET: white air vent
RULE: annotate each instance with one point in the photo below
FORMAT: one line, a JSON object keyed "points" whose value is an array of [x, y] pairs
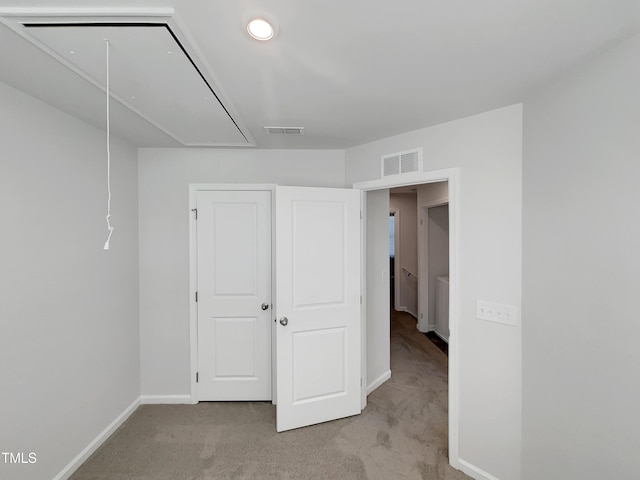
{"points": [[390, 165], [284, 130], [402, 162]]}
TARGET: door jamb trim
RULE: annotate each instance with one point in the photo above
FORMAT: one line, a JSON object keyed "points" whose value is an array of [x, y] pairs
{"points": [[194, 188], [452, 176]]}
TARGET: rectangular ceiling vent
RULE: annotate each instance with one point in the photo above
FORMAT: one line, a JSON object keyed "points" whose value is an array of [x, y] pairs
{"points": [[402, 162], [284, 130]]}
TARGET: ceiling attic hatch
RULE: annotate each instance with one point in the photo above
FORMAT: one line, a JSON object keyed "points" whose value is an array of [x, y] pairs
{"points": [[155, 72]]}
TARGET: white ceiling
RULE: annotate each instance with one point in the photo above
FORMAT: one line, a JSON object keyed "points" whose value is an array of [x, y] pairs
{"points": [[349, 71]]}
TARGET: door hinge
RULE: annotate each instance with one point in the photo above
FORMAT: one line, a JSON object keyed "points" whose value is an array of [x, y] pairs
{"points": [[197, 377], [195, 213], [360, 299], [360, 214], [420, 221], [196, 297]]}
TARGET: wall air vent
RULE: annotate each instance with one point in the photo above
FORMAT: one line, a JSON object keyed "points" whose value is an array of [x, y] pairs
{"points": [[284, 130], [402, 162]]}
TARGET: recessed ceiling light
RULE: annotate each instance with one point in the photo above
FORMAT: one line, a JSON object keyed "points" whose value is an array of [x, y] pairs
{"points": [[260, 29], [170, 52], [72, 52]]}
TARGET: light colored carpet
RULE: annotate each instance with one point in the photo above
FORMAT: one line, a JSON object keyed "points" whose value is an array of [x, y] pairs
{"points": [[402, 434]]}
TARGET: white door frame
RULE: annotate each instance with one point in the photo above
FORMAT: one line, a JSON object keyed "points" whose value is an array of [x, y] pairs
{"points": [[452, 176], [193, 274]]}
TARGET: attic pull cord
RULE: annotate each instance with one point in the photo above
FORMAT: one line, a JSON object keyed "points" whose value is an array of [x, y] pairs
{"points": [[109, 227]]}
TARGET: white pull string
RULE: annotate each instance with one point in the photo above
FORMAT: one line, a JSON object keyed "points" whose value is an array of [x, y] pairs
{"points": [[109, 227]]}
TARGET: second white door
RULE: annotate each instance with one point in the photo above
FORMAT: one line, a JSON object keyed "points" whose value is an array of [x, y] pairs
{"points": [[234, 295], [318, 305]]}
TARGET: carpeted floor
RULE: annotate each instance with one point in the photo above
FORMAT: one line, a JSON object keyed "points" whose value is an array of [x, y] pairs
{"points": [[402, 434]]}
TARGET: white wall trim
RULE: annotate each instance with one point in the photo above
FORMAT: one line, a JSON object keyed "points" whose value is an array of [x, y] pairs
{"points": [[378, 381], [363, 304], [452, 176], [74, 464], [473, 471], [441, 336], [166, 400], [193, 271], [163, 12]]}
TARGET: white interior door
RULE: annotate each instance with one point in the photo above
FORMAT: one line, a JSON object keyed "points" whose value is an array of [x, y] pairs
{"points": [[317, 305], [234, 295]]}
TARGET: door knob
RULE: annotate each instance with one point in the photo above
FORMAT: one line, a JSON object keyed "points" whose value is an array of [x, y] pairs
{"points": [[265, 306], [284, 321]]}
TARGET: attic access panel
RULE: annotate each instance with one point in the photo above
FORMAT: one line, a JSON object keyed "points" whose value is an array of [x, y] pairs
{"points": [[150, 73]]}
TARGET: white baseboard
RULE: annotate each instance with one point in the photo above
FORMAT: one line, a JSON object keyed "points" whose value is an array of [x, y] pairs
{"points": [[378, 381], [473, 471], [99, 440], [442, 337], [166, 400]]}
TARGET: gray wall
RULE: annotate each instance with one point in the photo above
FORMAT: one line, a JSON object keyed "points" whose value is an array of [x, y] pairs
{"points": [[438, 254], [165, 175], [378, 276], [581, 272], [406, 255], [69, 355], [488, 150], [429, 195]]}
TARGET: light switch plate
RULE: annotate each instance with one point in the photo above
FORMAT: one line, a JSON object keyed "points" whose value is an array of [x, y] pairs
{"points": [[496, 312]]}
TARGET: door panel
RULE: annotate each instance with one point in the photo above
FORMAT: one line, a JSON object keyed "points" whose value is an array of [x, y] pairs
{"points": [[319, 364], [318, 275], [318, 305], [234, 280], [235, 341], [235, 250]]}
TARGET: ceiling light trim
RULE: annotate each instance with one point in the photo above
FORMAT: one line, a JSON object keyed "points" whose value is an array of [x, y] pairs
{"points": [[250, 16], [254, 29]]}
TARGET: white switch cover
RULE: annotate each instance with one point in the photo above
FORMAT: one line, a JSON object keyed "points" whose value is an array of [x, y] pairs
{"points": [[496, 312]]}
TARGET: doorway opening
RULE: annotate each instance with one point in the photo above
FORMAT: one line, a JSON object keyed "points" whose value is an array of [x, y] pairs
{"points": [[419, 257], [377, 270]]}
